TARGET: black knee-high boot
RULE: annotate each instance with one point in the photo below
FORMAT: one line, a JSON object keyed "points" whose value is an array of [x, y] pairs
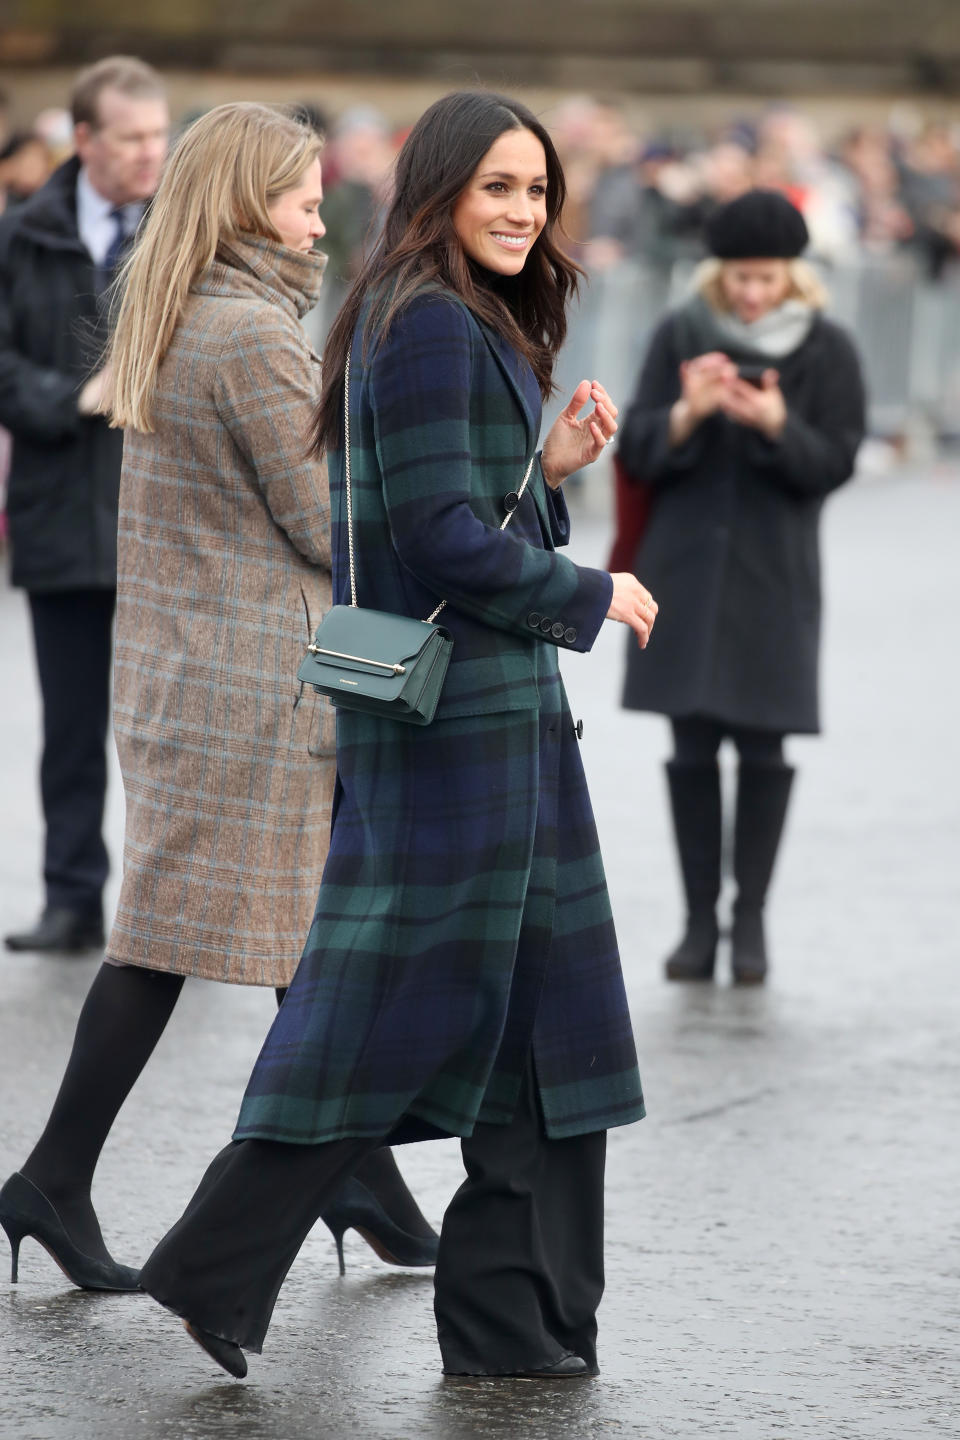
{"points": [[763, 793], [695, 803]]}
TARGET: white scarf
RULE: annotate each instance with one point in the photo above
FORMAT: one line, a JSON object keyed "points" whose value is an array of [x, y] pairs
{"points": [[777, 333]]}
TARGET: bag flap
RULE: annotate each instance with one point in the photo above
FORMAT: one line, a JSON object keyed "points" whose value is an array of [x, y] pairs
{"points": [[373, 636]]}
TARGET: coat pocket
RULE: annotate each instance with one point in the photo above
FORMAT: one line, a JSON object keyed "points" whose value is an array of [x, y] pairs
{"points": [[314, 718], [322, 735], [314, 725], [489, 684]]}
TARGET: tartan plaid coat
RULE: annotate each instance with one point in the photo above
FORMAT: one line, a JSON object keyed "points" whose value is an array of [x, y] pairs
{"points": [[463, 913], [224, 571]]}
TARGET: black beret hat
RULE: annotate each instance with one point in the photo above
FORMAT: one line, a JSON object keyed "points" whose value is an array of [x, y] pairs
{"points": [[760, 225]]}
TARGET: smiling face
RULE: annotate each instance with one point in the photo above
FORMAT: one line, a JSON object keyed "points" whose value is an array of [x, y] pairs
{"points": [[503, 208], [295, 215]]}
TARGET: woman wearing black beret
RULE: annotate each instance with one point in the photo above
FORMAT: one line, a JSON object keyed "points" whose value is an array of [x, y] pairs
{"points": [[749, 413]]}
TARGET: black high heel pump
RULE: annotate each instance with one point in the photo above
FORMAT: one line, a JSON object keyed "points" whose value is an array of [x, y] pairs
{"points": [[26, 1213], [357, 1207]]}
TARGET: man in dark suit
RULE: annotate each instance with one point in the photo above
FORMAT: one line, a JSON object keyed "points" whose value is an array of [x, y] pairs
{"points": [[58, 254]]}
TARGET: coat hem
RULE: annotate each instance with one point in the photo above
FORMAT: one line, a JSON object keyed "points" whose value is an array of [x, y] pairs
{"points": [[778, 725], [434, 1129], [191, 970]]}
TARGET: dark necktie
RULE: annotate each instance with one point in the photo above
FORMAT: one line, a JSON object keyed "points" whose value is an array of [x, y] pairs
{"points": [[117, 244]]}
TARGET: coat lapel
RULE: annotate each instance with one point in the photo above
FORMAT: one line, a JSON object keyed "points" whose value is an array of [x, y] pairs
{"points": [[506, 359]]}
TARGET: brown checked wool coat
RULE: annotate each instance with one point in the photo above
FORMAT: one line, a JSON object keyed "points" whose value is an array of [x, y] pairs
{"points": [[224, 561]]}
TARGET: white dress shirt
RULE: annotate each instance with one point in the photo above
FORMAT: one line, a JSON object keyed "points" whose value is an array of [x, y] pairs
{"points": [[95, 218]]}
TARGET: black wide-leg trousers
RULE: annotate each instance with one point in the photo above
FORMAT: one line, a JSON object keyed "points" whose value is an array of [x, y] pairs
{"points": [[520, 1271], [73, 641], [223, 1263]]}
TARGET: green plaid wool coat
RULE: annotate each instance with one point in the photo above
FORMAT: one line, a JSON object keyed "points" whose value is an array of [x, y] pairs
{"points": [[463, 914]]}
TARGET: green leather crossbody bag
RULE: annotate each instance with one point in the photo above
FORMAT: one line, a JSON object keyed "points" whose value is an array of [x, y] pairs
{"points": [[371, 660], [377, 662]]}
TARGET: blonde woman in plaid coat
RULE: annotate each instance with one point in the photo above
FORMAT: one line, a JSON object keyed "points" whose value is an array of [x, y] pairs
{"points": [[461, 975], [224, 570]]}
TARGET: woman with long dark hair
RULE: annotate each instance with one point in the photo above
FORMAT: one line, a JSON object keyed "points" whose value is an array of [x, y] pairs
{"points": [[461, 976]]}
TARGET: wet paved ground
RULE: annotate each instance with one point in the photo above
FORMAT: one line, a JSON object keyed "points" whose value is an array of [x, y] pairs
{"points": [[784, 1228]]}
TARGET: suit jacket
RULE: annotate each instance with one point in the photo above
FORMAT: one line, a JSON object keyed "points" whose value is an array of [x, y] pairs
{"points": [[65, 468], [463, 916]]}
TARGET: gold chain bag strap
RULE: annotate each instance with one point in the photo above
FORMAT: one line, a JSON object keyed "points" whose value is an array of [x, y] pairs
{"points": [[372, 660]]}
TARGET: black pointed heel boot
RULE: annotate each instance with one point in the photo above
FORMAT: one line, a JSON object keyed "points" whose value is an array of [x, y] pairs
{"points": [[226, 1353], [570, 1367], [695, 805], [25, 1212], [763, 794], [376, 1203]]}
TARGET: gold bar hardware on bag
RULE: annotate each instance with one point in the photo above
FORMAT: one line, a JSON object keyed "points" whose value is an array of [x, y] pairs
{"points": [[361, 659]]}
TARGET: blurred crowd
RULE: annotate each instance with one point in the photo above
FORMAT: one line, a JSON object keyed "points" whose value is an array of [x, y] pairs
{"points": [[875, 189], [879, 189]]}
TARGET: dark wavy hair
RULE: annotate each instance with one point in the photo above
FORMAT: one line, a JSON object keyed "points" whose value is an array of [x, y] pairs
{"points": [[419, 244]]}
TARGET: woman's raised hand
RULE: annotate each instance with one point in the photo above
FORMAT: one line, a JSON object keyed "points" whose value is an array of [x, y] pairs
{"points": [[633, 605], [572, 442]]}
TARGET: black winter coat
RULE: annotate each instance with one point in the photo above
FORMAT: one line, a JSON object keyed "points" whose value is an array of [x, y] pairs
{"points": [[65, 471], [731, 549]]}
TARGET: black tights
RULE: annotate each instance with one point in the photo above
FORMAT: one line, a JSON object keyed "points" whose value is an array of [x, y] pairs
{"points": [[125, 1013], [697, 738]]}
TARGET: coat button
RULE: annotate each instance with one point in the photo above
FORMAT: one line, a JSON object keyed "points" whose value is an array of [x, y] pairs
{"points": [[570, 635], [578, 729], [533, 619], [557, 630], [546, 625], [511, 501]]}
